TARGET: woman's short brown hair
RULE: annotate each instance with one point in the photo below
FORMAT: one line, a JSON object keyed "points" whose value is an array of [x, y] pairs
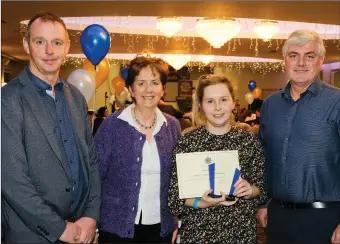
{"points": [[203, 82], [141, 62]]}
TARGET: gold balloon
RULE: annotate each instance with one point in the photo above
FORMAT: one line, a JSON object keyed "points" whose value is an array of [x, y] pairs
{"points": [[118, 84], [103, 70], [257, 92]]}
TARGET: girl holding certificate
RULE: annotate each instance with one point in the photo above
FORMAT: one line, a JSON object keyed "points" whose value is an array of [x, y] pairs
{"points": [[134, 148], [219, 220]]}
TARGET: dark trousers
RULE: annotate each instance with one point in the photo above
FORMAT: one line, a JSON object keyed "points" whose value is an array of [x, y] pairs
{"points": [[143, 234], [287, 225]]}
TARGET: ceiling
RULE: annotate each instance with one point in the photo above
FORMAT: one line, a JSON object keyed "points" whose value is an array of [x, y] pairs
{"points": [[12, 12]]}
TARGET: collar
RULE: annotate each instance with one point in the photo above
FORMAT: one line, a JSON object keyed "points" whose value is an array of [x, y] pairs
{"points": [[315, 88], [41, 85], [126, 115]]}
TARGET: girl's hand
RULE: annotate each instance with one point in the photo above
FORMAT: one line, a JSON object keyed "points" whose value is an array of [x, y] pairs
{"points": [[207, 201], [244, 189]]}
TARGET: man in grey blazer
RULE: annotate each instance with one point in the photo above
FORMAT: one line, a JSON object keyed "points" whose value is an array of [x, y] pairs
{"points": [[50, 188]]}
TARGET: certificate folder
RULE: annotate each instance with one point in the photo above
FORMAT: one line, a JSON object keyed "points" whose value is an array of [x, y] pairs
{"points": [[200, 171]]}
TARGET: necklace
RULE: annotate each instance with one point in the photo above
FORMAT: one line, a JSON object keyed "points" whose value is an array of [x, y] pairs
{"points": [[144, 126]]}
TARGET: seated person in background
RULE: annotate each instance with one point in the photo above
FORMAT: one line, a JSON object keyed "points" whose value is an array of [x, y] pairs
{"points": [[243, 126], [258, 115], [91, 115], [101, 115], [244, 115], [169, 109]]}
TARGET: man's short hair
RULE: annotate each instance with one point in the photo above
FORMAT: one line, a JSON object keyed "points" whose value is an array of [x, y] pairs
{"points": [[300, 37], [44, 17]]}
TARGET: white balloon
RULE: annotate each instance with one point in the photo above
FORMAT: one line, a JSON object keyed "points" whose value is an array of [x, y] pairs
{"points": [[249, 98], [84, 81]]}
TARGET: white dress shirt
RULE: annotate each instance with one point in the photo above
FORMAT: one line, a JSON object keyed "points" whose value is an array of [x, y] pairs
{"points": [[149, 195]]}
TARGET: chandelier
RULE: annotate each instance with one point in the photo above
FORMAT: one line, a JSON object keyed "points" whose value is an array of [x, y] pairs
{"points": [[177, 61], [217, 31], [266, 29], [169, 26]]}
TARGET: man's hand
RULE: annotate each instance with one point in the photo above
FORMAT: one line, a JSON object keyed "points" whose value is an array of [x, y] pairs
{"points": [[71, 234], [261, 217], [336, 235], [88, 226]]}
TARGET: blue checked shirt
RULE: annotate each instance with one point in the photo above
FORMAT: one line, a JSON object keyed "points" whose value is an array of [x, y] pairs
{"points": [[58, 112], [302, 144]]}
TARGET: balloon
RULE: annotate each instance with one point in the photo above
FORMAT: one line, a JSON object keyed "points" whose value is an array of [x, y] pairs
{"points": [[249, 98], [252, 85], [124, 73], [84, 81], [95, 42], [257, 92], [118, 84], [103, 71]]}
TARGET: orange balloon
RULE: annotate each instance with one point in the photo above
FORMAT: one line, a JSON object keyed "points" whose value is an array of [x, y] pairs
{"points": [[118, 84], [103, 70], [257, 92]]}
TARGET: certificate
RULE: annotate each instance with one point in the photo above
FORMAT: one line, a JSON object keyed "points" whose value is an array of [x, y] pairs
{"points": [[200, 171]]}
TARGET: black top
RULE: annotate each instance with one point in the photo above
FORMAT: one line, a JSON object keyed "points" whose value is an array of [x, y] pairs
{"points": [[97, 122], [220, 224]]}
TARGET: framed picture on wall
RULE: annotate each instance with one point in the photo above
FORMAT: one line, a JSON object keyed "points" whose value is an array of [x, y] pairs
{"points": [[184, 88], [335, 77]]}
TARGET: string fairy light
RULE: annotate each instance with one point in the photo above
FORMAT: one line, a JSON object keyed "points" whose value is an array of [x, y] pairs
{"points": [[188, 42]]}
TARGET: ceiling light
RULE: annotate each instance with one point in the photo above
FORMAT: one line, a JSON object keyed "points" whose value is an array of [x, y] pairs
{"points": [[266, 29], [193, 58], [206, 59], [217, 31], [169, 26], [177, 61]]}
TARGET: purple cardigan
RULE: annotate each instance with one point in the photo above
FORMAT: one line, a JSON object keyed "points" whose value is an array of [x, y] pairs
{"points": [[119, 149]]}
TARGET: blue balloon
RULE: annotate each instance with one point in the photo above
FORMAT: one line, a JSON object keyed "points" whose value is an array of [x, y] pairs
{"points": [[124, 73], [95, 42], [252, 85]]}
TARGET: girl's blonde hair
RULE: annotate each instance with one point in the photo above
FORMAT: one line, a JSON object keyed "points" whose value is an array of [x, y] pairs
{"points": [[198, 117]]}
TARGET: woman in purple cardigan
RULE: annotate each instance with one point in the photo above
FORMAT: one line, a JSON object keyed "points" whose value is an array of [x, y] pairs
{"points": [[135, 148]]}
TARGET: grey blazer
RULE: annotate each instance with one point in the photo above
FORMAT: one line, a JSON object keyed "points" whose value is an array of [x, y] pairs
{"points": [[35, 182]]}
